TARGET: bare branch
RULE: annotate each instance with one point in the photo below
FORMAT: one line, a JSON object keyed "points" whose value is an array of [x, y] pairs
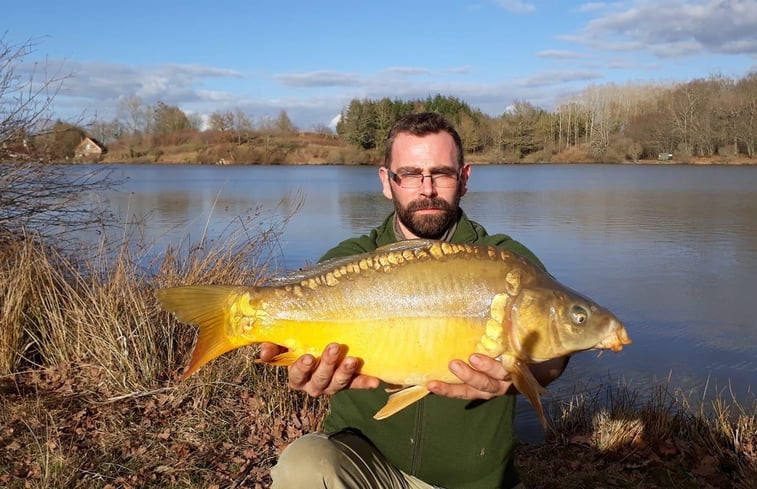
{"points": [[25, 98]]}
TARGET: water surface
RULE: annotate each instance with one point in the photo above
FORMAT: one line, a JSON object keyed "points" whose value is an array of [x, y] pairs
{"points": [[672, 250]]}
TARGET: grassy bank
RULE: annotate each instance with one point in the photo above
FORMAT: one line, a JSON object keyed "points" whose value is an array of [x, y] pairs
{"points": [[255, 148], [303, 148], [89, 394]]}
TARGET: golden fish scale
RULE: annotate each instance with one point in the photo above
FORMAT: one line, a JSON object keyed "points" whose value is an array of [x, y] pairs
{"points": [[435, 308]]}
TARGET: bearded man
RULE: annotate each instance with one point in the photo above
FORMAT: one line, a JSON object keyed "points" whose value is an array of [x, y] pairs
{"points": [[463, 436]]}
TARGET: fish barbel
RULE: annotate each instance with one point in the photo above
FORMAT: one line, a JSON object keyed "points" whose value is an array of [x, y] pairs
{"points": [[406, 310]]}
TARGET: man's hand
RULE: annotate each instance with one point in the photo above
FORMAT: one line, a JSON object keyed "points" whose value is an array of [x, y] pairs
{"points": [[485, 378], [335, 371]]}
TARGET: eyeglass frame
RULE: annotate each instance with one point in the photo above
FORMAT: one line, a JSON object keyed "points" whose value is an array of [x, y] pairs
{"points": [[396, 178]]}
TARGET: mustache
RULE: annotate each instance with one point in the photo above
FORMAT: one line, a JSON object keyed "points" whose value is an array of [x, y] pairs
{"points": [[433, 203]]}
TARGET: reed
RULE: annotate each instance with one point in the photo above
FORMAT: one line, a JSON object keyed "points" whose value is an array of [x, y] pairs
{"points": [[99, 309]]}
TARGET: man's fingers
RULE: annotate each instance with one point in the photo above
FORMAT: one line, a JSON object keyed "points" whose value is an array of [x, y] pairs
{"points": [[455, 391], [491, 367], [364, 382], [269, 350], [301, 371], [476, 379], [487, 378], [322, 377], [489, 375], [328, 375], [342, 376]]}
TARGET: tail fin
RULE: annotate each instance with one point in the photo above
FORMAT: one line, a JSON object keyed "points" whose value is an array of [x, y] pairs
{"points": [[206, 306]]}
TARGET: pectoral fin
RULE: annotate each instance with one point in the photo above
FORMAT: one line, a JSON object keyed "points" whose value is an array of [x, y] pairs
{"points": [[400, 400], [526, 383], [391, 389]]}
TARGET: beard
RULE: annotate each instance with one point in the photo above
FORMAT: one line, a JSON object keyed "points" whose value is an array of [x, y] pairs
{"points": [[428, 226]]}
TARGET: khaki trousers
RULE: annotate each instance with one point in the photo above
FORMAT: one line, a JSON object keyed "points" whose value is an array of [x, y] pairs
{"points": [[343, 460]]}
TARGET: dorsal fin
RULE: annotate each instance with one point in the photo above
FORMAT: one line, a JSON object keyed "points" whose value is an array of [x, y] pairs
{"points": [[408, 244], [297, 276]]}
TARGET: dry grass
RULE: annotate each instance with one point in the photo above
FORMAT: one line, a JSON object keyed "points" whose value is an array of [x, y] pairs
{"points": [[89, 398], [611, 438]]}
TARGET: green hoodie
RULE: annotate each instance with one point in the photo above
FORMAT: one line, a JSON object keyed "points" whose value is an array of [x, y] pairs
{"points": [[446, 442]]}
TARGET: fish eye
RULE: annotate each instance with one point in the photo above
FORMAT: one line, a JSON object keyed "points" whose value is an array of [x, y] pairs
{"points": [[578, 315]]}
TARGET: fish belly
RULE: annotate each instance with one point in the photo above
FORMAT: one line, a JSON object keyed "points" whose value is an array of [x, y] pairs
{"points": [[403, 351]]}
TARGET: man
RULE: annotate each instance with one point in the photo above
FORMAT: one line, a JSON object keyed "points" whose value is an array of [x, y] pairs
{"points": [[460, 437]]}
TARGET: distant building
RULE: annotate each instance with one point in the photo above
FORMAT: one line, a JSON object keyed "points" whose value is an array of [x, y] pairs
{"points": [[89, 149], [664, 156]]}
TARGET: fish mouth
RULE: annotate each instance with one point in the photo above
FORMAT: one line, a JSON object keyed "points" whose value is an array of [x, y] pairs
{"points": [[616, 339]]}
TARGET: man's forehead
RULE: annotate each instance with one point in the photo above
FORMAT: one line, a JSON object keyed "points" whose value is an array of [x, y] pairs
{"points": [[436, 148]]}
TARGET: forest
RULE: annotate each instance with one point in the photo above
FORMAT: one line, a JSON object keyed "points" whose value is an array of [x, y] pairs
{"points": [[613, 123]]}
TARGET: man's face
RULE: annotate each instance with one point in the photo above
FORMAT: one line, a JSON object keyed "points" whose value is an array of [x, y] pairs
{"points": [[427, 211]]}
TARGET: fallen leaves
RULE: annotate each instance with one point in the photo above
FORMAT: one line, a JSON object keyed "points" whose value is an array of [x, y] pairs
{"points": [[137, 441]]}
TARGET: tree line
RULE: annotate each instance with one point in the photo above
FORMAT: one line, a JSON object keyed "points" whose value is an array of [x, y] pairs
{"points": [[163, 124], [608, 123], [703, 117]]}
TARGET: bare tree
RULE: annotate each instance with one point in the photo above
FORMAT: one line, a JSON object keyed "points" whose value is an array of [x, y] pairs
{"points": [[51, 199], [25, 98], [746, 128], [242, 126], [107, 132], [134, 114], [37, 197], [221, 121]]}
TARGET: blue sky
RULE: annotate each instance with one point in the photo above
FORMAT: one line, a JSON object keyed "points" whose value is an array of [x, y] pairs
{"points": [[312, 58]]}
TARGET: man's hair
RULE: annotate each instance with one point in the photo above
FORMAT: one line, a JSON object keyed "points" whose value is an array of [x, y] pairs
{"points": [[422, 124]]}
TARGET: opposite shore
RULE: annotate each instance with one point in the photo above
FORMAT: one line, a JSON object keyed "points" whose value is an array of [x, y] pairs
{"points": [[329, 149]]}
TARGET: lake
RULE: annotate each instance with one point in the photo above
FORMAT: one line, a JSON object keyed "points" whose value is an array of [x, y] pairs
{"points": [[672, 250]]}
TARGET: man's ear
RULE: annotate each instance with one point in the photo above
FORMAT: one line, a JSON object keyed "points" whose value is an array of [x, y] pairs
{"points": [[386, 187], [464, 176]]}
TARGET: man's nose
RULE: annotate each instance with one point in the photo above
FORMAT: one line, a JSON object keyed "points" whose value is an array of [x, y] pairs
{"points": [[427, 186]]}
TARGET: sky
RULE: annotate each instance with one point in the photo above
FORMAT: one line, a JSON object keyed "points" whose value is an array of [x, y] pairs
{"points": [[310, 58]]}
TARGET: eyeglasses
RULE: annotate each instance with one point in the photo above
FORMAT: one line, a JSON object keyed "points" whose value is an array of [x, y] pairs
{"points": [[415, 180]]}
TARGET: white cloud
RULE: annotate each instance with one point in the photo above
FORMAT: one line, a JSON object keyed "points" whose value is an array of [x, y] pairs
{"points": [[676, 27], [320, 79], [463, 70], [559, 77], [421, 71], [334, 121], [561, 54], [516, 6], [408, 70], [108, 81], [594, 6]]}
